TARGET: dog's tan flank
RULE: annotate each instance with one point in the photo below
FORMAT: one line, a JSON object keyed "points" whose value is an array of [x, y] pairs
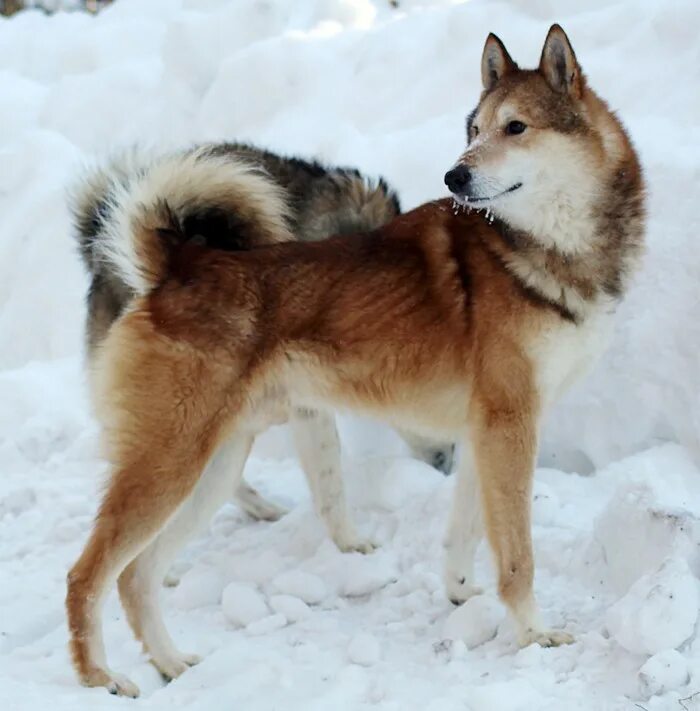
{"points": [[442, 323]]}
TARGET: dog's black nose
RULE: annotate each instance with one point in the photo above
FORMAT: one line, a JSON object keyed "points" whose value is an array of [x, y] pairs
{"points": [[457, 179]]}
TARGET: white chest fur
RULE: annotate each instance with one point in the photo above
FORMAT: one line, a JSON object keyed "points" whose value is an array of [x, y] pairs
{"points": [[565, 351]]}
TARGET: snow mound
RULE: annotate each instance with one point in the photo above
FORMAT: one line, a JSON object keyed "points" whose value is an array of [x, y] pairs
{"points": [[474, 622], [199, 587], [659, 612], [665, 671], [293, 608], [307, 587], [637, 533], [364, 650], [242, 605]]}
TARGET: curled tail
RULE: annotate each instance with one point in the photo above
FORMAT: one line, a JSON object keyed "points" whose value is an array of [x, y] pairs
{"points": [[132, 215]]}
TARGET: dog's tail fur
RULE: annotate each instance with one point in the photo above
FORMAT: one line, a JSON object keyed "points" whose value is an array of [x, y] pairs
{"points": [[134, 213]]}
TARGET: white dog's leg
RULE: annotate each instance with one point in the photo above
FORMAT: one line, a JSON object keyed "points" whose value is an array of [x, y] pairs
{"points": [[318, 446], [464, 532], [255, 504]]}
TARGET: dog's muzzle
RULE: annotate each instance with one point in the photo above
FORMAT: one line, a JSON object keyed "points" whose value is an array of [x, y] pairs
{"points": [[458, 179]]}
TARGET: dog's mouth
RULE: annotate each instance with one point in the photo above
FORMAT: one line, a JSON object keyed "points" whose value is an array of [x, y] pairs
{"points": [[470, 200]]}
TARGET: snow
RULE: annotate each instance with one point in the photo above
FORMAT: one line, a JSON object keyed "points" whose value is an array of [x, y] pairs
{"points": [[364, 650], [617, 496], [242, 605], [474, 622], [309, 588], [293, 609], [658, 612], [665, 670], [200, 586]]}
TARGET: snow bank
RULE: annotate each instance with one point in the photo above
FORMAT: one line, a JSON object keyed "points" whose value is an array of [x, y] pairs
{"points": [[283, 619], [662, 672], [659, 612]]}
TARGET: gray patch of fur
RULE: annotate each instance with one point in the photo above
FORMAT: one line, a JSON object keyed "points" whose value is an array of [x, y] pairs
{"points": [[322, 200]]}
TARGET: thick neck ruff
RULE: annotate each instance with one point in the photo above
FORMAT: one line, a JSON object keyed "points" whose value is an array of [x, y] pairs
{"points": [[576, 284]]}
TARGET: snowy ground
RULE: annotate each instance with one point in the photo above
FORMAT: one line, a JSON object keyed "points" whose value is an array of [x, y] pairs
{"points": [[355, 81]]}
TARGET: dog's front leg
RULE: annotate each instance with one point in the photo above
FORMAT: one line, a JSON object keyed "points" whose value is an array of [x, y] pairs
{"points": [[318, 446], [504, 446]]}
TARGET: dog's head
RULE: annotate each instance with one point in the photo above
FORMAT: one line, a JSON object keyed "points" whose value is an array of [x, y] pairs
{"points": [[539, 144]]}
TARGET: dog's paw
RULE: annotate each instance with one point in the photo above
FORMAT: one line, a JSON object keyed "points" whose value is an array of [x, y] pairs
{"points": [[442, 458], [172, 667], [116, 684], [360, 545], [267, 511], [545, 638], [171, 580], [123, 686], [459, 590], [256, 505]]}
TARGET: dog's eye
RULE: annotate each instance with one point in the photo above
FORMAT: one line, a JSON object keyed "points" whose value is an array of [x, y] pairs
{"points": [[515, 127], [475, 131]]}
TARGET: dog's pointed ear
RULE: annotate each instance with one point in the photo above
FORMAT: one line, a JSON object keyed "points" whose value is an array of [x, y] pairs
{"points": [[558, 63], [495, 61]]}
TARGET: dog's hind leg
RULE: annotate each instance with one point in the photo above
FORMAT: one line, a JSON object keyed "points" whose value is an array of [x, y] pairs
{"points": [[139, 584], [318, 446], [255, 504], [137, 505], [159, 449], [464, 532]]}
